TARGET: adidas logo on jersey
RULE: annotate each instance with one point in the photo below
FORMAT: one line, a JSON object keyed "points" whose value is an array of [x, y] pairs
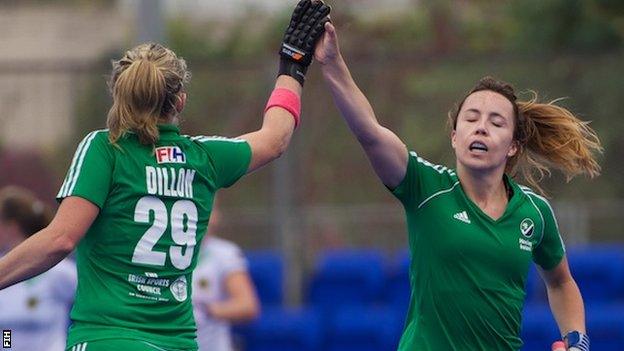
{"points": [[170, 154], [462, 216]]}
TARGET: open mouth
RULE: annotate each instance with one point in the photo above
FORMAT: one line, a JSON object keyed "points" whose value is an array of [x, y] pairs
{"points": [[478, 147]]}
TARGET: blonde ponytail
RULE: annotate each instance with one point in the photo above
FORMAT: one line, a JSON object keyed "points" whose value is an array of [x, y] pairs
{"points": [[144, 86], [554, 138]]}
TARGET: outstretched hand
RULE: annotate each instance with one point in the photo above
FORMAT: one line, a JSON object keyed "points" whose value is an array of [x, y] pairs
{"points": [[306, 27], [327, 49]]}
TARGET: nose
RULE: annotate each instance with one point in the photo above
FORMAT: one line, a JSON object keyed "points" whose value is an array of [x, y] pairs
{"points": [[481, 129]]}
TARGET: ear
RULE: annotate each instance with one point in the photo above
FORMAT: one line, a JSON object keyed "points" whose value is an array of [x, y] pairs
{"points": [[453, 138], [513, 149], [180, 102]]}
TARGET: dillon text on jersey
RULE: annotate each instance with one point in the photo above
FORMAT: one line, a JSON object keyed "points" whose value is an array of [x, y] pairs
{"points": [[167, 181]]}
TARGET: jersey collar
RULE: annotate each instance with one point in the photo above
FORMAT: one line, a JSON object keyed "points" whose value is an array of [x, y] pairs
{"points": [[512, 203], [168, 130]]}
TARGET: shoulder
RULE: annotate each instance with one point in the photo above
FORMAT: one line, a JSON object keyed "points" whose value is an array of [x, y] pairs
{"points": [[543, 208], [427, 165], [424, 181], [214, 140], [96, 139], [99, 136], [223, 256], [434, 179], [539, 201], [218, 146], [222, 247]]}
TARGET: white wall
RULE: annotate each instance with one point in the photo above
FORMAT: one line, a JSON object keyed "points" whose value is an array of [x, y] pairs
{"points": [[42, 47]]}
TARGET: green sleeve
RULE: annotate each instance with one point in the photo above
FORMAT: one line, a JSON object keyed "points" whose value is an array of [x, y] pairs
{"points": [[422, 180], [550, 250], [90, 173], [229, 158]]}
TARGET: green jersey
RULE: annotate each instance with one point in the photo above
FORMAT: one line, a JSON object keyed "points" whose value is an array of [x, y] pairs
{"points": [[467, 270], [135, 262]]}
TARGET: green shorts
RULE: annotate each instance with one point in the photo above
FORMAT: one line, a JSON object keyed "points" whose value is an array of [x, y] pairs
{"points": [[118, 345]]}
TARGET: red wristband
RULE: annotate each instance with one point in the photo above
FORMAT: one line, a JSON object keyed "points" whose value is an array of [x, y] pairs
{"points": [[287, 100]]}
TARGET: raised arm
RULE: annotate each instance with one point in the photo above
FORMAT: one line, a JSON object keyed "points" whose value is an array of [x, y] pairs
{"points": [[282, 112], [49, 246], [270, 141], [386, 152]]}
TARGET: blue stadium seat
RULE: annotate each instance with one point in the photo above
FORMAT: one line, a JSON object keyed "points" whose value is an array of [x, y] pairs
{"points": [[363, 329], [605, 326], [280, 329], [598, 271], [347, 277], [267, 272], [539, 329], [397, 288]]}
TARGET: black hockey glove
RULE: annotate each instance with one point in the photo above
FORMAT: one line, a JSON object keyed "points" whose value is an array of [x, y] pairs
{"points": [[306, 27]]}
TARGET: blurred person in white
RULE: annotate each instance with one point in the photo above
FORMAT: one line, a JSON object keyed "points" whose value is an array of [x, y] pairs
{"points": [[36, 310], [223, 292]]}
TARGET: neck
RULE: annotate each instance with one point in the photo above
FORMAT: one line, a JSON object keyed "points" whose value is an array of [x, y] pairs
{"points": [[174, 119], [482, 187]]}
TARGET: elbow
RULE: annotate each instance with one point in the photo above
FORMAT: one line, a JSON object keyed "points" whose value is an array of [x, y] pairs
{"points": [[278, 151], [252, 311], [252, 307], [278, 147], [368, 137], [281, 144], [62, 242], [366, 140], [561, 284], [63, 246]]}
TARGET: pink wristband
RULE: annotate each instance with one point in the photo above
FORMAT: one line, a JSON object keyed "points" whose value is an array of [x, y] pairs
{"points": [[287, 100]]}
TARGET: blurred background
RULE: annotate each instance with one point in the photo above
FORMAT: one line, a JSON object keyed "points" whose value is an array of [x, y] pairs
{"points": [[319, 212]]}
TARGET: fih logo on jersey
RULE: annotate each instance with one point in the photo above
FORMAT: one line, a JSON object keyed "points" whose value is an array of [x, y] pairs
{"points": [[170, 154], [526, 227]]}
